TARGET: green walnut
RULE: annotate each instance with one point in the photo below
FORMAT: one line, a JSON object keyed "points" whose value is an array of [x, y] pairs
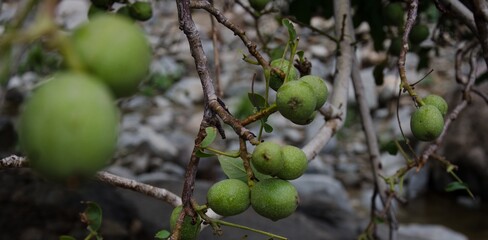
{"points": [[189, 228], [294, 163], [275, 80], [436, 101], [307, 120], [319, 88], [274, 198], [427, 123], [114, 49], [229, 197], [258, 5], [141, 11], [418, 34], [267, 158], [393, 14], [395, 46], [295, 101], [69, 126]]}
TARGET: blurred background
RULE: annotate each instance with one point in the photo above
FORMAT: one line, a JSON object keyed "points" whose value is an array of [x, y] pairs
{"points": [[160, 122]]}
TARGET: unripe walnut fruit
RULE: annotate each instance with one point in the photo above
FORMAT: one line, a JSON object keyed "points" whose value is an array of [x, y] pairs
{"points": [[437, 101], [229, 197], [295, 101], [267, 159], [114, 49], [427, 123], [275, 80], [319, 88], [69, 126], [274, 198], [294, 163], [189, 228]]}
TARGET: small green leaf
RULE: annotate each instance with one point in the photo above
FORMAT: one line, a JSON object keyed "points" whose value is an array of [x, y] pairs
{"points": [[163, 234], [233, 167], [453, 186], [92, 216], [211, 134], [65, 237], [291, 30], [202, 154], [379, 220], [257, 100], [268, 128], [300, 55]]}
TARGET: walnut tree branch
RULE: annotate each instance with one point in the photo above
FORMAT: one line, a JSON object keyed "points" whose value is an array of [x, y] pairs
{"points": [[338, 99], [14, 161]]}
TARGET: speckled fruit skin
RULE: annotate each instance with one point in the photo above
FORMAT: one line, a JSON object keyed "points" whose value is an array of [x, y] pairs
{"points": [[436, 101], [259, 5], [229, 197], [69, 126], [267, 158], [115, 49], [295, 101], [294, 163], [427, 123], [275, 81], [319, 87], [188, 231], [274, 198]]}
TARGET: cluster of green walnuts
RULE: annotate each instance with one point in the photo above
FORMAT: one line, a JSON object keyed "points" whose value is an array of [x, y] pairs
{"points": [[427, 122], [298, 98], [69, 125], [274, 197]]}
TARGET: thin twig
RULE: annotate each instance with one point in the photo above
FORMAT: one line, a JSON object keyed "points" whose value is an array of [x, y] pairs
{"points": [[15, 161]]}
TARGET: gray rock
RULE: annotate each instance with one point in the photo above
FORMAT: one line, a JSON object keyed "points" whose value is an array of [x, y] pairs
{"points": [[158, 143], [186, 92], [324, 197], [428, 232]]}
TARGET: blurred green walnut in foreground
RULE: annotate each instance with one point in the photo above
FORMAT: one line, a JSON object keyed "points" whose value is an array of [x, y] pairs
{"points": [[229, 197], [274, 198], [275, 80], [115, 50], [189, 228], [393, 14], [69, 126], [427, 123]]}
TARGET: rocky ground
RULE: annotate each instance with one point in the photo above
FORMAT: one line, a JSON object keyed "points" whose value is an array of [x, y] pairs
{"points": [[159, 125]]}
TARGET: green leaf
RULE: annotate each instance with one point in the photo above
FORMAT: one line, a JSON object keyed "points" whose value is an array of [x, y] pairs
{"points": [[163, 234], [268, 128], [211, 134], [234, 168], [291, 29], [202, 154], [300, 55], [453, 186], [66, 237], [257, 100], [92, 216]]}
